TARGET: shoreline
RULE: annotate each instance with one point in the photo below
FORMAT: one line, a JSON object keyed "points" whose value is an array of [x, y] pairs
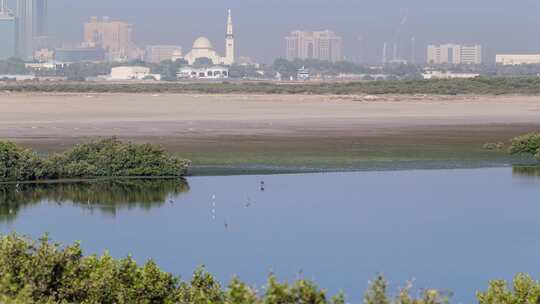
{"points": [[287, 131]]}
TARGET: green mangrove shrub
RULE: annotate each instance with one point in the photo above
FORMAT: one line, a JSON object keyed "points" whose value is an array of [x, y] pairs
{"points": [[524, 290], [46, 272], [103, 158], [18, 163], [528, 144], [377, 293]]}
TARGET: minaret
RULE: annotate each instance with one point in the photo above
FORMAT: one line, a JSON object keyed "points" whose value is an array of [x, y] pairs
{"points": [[229, 41]]}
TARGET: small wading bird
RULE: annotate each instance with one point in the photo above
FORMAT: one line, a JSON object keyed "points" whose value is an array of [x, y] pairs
{"points": [[249, 202], [262, 185], [213, 207]]}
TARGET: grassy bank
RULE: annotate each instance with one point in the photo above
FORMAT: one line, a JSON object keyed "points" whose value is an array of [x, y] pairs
{"points": [[442, 147], [477, 86]]}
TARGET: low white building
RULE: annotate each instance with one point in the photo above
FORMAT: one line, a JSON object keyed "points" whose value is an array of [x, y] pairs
{"points": [[448, 75], [517, 59], [13, 77], [211, 72], [40, 66], [131, 73], [303, 74]]}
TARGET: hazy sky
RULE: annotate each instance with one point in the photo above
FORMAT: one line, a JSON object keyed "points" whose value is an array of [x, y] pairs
{"points": [[499, 25]]}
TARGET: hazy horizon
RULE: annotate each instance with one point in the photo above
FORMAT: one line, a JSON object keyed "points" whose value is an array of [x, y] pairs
{"points": [[261, 25]]}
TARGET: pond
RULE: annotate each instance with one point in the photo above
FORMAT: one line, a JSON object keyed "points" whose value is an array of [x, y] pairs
{"points": [[448, 229]]}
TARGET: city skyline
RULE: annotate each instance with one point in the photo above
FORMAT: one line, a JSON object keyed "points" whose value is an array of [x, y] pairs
{"points": [[401, 28], [172, 22]]}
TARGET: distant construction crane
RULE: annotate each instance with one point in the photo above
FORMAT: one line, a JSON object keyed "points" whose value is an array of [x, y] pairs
{"points": [[361, 49], [413, 50]]}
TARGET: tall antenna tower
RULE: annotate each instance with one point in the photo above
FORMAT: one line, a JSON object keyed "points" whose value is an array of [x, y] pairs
{"points": [[384, 57], [361, 52], [395, 55]]}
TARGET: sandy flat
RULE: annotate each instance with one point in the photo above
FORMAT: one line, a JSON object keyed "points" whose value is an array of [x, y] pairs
{"points": [[73, 115]]}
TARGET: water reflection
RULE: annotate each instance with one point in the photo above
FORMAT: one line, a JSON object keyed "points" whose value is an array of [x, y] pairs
{"points": [[443, 227], [526, 171], [105, 195]]}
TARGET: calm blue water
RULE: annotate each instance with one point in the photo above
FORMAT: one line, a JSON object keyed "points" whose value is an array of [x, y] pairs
{"points": [[448, 229]]}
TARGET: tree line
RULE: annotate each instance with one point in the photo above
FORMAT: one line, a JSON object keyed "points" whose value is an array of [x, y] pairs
{"points": [[475, 86]]}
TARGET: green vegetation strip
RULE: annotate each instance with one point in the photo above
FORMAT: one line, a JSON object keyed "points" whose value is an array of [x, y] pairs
{"points": [[46, 272], [527, 144], [104, 158], [478, 86]]}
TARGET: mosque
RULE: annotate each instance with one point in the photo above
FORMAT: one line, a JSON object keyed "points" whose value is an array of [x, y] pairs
{"points": [[202, 48]]}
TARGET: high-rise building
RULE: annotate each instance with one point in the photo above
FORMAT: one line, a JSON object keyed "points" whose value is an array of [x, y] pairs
{"points": [[322, 45], [25, 33], [454, 54], [113, 36], [8, 32], [159, 53], [41, 26], [32, 25]]}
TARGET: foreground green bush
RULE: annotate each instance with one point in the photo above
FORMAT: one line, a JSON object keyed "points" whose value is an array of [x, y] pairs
{"points": [[45, 272], [103, 158], [528, 144], [524, 291], [377, 293]]}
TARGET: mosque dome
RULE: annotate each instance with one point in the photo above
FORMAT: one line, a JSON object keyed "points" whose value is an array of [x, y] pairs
{"points": [[202, 43]]}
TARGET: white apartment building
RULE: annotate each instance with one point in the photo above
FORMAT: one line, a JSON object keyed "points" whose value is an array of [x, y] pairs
{"points": [[454, 54], [517, 59]]}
